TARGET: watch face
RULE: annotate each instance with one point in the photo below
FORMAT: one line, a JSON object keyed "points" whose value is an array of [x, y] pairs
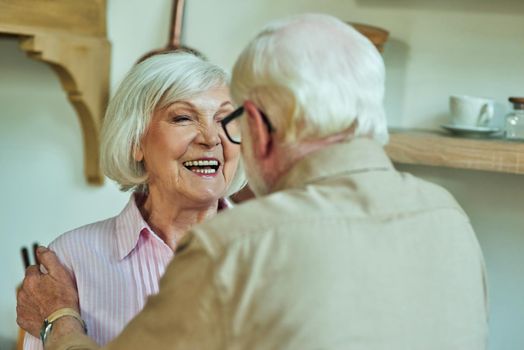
{"points": [[46, 328]]}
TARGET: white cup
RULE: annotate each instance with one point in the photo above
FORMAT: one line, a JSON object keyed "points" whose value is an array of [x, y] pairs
{"points": [[470, 111]]}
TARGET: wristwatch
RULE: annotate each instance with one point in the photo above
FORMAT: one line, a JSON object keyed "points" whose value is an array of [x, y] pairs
{"points": [[47, 326], [45, 330]]}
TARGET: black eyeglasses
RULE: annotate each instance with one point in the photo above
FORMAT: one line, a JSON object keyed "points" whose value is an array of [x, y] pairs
{"points": [[231, 125]]}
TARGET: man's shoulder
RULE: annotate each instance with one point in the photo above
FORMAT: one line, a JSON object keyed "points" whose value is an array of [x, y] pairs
{"points": [[285, 212], [256, 216], [336, 202], [428, 193]]}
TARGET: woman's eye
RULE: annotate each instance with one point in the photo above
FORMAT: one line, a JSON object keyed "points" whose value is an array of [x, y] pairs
{"points": [[180, 118]]}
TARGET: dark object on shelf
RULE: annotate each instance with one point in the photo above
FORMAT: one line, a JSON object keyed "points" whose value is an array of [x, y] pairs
{"points": [[175, 33]]}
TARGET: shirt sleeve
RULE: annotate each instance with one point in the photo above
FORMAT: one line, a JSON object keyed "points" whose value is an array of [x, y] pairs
{"points": [[185, 314], [59, 246], [32, 343]]}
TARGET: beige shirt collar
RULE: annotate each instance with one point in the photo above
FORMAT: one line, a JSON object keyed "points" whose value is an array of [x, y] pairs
{"points": [[353, 156]]}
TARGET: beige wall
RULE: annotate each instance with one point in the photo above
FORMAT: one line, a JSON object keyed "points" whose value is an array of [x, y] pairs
{"points": [[437, 48]]}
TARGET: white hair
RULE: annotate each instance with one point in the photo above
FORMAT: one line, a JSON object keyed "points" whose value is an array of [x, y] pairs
{"points": [[150, 85], [314, 76]]}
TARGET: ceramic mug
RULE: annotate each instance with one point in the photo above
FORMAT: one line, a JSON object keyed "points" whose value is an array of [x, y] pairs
{"points": [[471, 111]]}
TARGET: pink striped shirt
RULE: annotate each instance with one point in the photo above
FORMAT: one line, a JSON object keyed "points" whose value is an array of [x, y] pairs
{"points": [[117, 264]]}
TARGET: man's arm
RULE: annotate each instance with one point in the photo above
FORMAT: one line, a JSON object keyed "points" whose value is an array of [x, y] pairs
{"points": [[186, 314], [45, 289], [34, 343], [68, 334]]}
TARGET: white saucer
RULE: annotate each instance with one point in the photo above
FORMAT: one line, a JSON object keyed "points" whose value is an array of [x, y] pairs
{"points": [[471, 130]]}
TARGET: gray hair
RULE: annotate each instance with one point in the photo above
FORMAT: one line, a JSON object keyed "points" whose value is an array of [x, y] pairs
{"points": [[150, 85], [318, 74]]}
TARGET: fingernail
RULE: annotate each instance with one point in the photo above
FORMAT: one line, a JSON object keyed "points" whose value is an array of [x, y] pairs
{"points": [[41, 249]]}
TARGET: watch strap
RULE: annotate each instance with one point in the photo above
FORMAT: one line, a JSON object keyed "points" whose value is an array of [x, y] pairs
{"points": [[48, 322]]}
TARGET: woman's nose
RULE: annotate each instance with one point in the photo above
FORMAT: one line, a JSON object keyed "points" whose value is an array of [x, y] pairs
{"points": [[209, 135]]}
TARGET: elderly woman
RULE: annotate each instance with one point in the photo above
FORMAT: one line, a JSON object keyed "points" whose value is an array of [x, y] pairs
{"points": [[161, 139]]}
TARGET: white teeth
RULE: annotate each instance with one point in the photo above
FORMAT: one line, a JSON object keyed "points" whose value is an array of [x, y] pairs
{"points": [[201, 163], [204, 171]]}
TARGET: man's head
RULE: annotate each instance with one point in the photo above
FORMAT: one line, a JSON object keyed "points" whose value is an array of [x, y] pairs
{"points": [[317, 80]]}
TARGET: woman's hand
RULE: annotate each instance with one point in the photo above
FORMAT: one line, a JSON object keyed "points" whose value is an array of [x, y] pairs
{"points": [[44, 290]]}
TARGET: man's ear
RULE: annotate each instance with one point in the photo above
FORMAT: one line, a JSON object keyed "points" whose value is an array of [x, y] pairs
{"points": [[262, 141]]}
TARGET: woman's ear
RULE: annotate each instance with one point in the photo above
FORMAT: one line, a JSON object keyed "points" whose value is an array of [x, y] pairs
{"points": [[261, 139], [138, 155]]}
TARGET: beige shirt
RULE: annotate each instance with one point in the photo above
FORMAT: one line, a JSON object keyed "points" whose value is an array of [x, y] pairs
{"points": [[347, 254]]}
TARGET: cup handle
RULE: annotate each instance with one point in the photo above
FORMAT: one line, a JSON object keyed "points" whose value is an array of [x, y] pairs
{"points": [[486, 113]]}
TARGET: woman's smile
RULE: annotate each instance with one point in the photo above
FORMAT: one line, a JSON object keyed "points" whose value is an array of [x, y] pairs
{"points": [[203, 167]]}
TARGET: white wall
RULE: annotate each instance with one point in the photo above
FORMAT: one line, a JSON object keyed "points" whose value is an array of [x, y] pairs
{"points": [[437, 48]]}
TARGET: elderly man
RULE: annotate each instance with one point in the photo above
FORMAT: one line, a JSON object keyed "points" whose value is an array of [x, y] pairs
{"points": [[340, 251]]}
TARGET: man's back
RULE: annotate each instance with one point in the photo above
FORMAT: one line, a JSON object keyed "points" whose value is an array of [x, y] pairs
{"points": [[351, 255], [348, 254]]}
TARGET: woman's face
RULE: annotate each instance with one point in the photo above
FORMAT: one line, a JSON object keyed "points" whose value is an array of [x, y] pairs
{"points": [[185, 151]]}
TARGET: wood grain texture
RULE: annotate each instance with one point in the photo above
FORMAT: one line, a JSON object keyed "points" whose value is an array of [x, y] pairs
{"points": [[82, 17], [76, 48], [438, 149]]}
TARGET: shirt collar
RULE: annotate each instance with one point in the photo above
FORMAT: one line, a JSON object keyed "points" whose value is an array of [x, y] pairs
{"points": [[129, 226], [353, 156]]}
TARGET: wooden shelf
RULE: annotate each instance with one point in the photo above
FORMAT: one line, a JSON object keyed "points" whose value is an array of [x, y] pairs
{"points": [[441, 149], [71, 37]]}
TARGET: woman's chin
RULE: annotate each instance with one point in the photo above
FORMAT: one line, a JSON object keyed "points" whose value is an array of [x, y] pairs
{"points": [[206, 195]]}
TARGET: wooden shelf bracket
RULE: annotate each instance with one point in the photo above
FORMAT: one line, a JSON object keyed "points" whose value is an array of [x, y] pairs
{"points": [[70, 36], [83, 69]]}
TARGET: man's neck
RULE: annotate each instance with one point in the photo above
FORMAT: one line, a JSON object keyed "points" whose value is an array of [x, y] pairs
{"points": [[286, 156]]}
